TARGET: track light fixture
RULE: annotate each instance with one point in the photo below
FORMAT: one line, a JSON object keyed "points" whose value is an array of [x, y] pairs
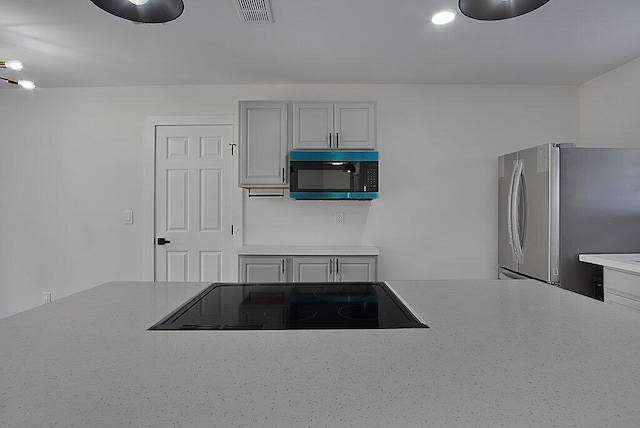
{"points": [[16, 65], [145, 11], [13, 64]]}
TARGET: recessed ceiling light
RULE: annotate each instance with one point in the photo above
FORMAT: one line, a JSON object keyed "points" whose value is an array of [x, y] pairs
{"points": [[443, 17]]}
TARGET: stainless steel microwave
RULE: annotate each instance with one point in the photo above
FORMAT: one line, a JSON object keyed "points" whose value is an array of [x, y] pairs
{"points": [[333, 174]]}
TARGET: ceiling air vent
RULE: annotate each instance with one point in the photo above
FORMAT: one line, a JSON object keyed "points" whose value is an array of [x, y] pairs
{"points": [[254, 11]]}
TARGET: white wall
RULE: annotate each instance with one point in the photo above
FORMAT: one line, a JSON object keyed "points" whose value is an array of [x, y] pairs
{"points": [[610, 108], [71, 163]]}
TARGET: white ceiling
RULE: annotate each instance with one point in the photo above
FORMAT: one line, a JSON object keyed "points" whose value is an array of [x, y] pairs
{"points": [[67, 43]]}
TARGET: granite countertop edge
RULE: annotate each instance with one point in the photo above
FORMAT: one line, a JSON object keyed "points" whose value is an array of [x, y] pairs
{"points": [[308, 250], [625, 262]]}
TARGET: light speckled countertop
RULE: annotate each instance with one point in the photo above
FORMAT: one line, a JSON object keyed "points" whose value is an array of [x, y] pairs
{"points": [[627, 262], [517, 353], [308, 250]]}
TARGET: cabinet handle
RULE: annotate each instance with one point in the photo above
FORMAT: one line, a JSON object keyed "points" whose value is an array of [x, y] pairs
{"points": [[282, 265], [330, 265], [337, 262], [329, 140], [283, 176], [337, 140]]}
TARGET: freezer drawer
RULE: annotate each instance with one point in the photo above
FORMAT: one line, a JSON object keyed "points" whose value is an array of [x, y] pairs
{"points": [[507, 274]]}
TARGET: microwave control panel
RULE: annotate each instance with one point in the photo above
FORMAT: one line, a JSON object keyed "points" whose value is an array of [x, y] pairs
{"points": [[369, 171]]}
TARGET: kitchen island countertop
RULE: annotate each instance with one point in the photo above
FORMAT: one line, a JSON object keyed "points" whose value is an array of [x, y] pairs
{"points": [[626, 262], [512, 353]]}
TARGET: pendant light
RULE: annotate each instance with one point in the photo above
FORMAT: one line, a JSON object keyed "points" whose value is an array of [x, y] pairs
{"points": [[494, 10], [145, 11]]}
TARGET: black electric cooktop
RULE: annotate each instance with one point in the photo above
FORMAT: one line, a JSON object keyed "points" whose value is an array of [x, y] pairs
{"points": [[282, 306]]}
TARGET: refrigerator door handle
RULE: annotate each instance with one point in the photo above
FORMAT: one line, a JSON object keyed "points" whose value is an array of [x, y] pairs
{"points": [[510, 211], [515, 214]]}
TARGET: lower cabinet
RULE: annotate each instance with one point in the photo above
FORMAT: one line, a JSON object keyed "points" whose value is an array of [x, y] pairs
{"points": [[263, 269], [308, 269], [622, 288]]}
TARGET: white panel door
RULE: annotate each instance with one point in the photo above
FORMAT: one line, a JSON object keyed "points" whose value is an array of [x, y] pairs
{"points": [[193, 203]]}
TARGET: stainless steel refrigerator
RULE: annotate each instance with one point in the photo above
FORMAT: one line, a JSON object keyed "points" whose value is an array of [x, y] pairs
{"points": [[557, 201]]}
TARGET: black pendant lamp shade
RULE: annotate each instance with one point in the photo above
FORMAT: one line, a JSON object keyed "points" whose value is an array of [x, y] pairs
{"points": [[150, 12], [494, 10]]}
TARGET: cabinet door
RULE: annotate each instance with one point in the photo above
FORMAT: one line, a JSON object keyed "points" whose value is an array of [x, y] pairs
{"points": [[356, 269], [625, 302], [313, 126], [263, 144], [354, 126], [263, 269], [312, 269]]}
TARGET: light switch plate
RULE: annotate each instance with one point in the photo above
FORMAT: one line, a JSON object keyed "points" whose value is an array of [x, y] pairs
{"points": [[128, 217]]}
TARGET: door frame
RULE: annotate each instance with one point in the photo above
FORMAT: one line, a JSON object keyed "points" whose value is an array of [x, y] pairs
{"points": [[148, 221]]}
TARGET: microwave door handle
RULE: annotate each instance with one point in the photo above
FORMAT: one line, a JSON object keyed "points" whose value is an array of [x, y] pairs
{"points": [[517, 187], [510, 212]]}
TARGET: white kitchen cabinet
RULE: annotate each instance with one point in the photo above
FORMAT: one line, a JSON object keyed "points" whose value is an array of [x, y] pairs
{"points": [[312, 269], [264, 144], [308, 268], [622, 288], [334, 269], [334, 126], [626, 302], [621, 275], [356, 269], [263, 269]]}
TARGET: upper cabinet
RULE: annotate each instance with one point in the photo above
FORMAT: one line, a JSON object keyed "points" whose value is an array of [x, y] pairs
{"points": [[264, 144], [269, 129], [334, 126]]}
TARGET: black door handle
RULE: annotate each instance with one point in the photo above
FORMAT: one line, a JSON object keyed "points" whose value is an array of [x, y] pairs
{"points": [[162, 241]]}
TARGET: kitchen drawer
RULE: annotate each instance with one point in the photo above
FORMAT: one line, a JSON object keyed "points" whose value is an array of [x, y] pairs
{"points": [[628, 302], [624, 281]]}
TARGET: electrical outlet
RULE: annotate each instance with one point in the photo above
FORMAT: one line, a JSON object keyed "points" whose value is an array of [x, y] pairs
{"points": [[46, 297], [339, 218]]}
